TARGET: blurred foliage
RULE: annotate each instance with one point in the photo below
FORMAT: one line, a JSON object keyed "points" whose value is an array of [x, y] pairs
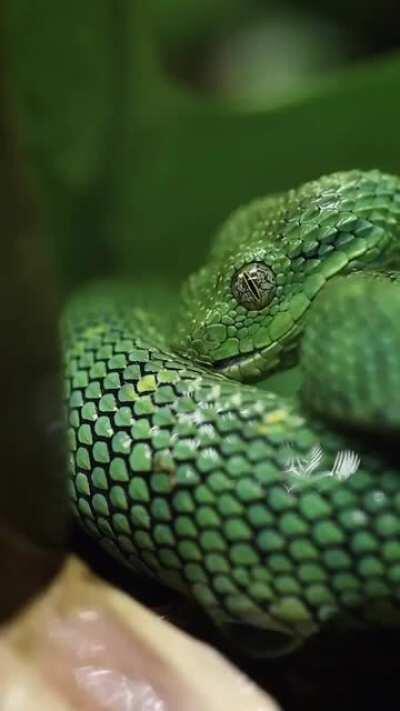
{"points": [[135, 170], [178, 23], [274, 59]]}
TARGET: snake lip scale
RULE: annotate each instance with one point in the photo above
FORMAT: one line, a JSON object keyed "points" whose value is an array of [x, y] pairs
{"points": [[178, 471], [269, 359]]}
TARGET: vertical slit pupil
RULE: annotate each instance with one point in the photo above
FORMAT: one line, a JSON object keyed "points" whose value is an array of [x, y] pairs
{"points": [[253, 285]]}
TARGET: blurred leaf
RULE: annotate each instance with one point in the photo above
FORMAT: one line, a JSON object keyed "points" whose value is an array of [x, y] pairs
{"points": [[136, 173], [65, 61], [191, 166], [77, 71], [65, 80], [178, 23]]}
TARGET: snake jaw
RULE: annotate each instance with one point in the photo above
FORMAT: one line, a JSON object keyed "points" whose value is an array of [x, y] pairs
{"points": [[251, 367]]}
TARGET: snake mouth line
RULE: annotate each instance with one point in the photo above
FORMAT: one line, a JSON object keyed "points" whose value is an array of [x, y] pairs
{"points": [[233, 362], [262, 361]]}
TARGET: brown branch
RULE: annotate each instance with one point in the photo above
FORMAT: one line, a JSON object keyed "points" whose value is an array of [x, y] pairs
{"points": [[32, 501]]}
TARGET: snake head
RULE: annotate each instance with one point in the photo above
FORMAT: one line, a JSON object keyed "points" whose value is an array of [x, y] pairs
{"points": [[244, 312]]}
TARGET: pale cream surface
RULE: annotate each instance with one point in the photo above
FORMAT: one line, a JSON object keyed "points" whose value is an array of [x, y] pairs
{"points": [[84, 645]]}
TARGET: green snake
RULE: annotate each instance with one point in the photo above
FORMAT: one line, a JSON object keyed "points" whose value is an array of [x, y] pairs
{"points": [[278, 515]]}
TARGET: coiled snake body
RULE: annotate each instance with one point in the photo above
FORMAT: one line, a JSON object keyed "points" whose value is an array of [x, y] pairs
{"points": [[277, 515]]}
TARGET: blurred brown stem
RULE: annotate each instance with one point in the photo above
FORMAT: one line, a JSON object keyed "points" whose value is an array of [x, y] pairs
{"points": [[32, 497]]}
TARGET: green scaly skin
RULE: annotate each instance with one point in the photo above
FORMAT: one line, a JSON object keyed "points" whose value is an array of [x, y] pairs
{"points": [[179, 471]]}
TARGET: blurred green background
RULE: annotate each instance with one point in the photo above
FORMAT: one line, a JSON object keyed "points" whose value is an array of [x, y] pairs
{"points": [[145, 123]]}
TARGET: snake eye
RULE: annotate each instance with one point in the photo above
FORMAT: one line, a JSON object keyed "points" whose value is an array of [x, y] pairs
{"points": [[253, 286]]}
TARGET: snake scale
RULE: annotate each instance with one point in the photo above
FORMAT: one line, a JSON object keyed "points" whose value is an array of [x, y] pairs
{"points": [[179, 467]]}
